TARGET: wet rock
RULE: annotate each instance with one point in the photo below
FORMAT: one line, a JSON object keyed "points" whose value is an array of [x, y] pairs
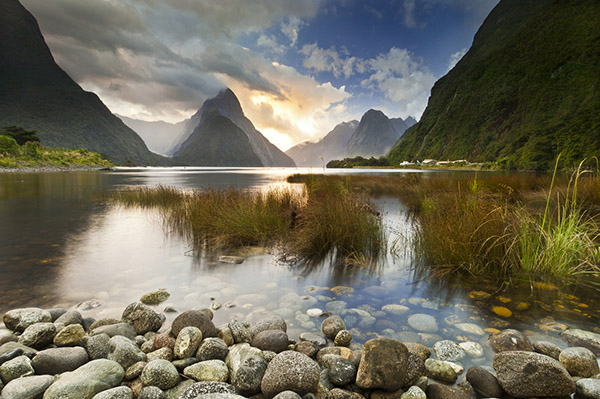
{"points": [[470, 328], [510, 340], [97, 346], [528, 374], [68, 318], [272, 322], [313, 338], [588, 388], [485, 383], [448, 350], [423, 322], [20, 319], [208, 370], [187, 343], [89, 305], [240, 332], [415, 369], [152, 392], [124, 352], [502, 311], [383, 365], [341, 371], [290, 371], [161, 374], [586, 339], [440, 370], [162, 353], [249, 375], [123, 329], [343, 338], [212, 349], [438, 391], [336, 306], [579, 362], [271, 340], [418, 349], [332, 325], [88, 380], [115, 393], [547, 348], [155, 297], [307, 348], [195, 318], [472, 349], [20, 366], [32, 387], [134, 371], [142, 318], [235, 260], [38, 335], [237, 355], [70, 335], [395, 309], [200, 389], [59, 360], [414, 392]]}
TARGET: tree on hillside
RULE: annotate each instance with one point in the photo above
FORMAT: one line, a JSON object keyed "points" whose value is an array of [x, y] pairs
{"points": [[20, 134]]}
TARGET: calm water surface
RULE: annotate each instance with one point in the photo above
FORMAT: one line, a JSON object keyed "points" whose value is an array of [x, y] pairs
{"points": [[61, 245]]}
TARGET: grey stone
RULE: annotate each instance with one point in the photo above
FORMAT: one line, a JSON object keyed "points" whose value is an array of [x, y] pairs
{"points": [[238, 353], [383, 365], [161, 374], [115, 393], [70, 335], [187, 342], [200, 389], [162, 353], [124, 351], [547, 348], [195, 318], [59, 360], [152, 392], [20, 319], [271, 340], [10, 355], [142, 318], [332, 325], [249, 375], [440, 370], [31, 387], [123, 329], [586, 339], [208, 370], [89, 305], [56, 313], [18, 367], [38, 335], [415, 369], [290, 371], [587, 387], [179, 389], [181, 364], [485, 383], [510, 340], [88, 380], [423, 322], [7, 336], [12, 346], [527, 374], [212, 348], [579, 362], [272, 322], [287, 395], [97, 346], [438, 391], [341, 371], [395, 309], [470, 328], [414, 392], [155, 297], [472, 349], [69, 318], [448, 350], [240, 332], [307, 348], [316, 339], [134, 371], [336, 306]]}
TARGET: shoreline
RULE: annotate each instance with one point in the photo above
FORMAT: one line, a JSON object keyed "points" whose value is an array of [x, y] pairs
{"points": [[50, 168]]}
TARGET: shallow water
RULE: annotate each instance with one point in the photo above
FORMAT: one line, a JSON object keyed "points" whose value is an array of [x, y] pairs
{"points": [[60, 245]]}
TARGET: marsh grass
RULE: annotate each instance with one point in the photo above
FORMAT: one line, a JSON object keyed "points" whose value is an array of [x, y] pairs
{"points": [[306, 226]]}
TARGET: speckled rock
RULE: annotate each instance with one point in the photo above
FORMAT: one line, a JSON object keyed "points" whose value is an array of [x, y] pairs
{"points": [[332, 325], [338, 393], [97, 346], [161, 374], [271, 322], [314, 338], [440, 370], [32, 387], [438, 391], [415, 369], [68, 318], [509, 340], [70, 335], [249, 375], [586, 339], [341, 371], [547, 348], [142, 318], [20, 319], [588, 388], [179, 389], [195, 318], [124, 329], [88, 380], [208, 370], [212, 348], [383, 365], [155, 297], [307, 348], [162, 353], [124, 352], [287, 395], [38, 335], [134, 371], [164, 340], [414, 392], [343, 338], [448, 350], [240, 332], [59, 360], [484, 383], [579, 362], [290, 371], [187, 343], [527, 374], [271, 340], [20, 366], [200, 389], [115, 393], [238, 353], [472, 349]]}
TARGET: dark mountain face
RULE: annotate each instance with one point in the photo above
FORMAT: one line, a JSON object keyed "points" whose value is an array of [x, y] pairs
{"points": [[527, 90], [256, 148], [37, 94], [375, 135]]}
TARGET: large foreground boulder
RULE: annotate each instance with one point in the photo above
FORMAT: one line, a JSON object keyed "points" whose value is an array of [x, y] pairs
{"points": [[32, 387], [527, 374], [291, 371], [383, 365], [142, 318], [194, 318], [20, 319], [85, 382]]}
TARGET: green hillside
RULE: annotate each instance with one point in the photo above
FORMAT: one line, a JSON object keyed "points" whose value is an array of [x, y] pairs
{"points": [[37, 94], [528, 89]]}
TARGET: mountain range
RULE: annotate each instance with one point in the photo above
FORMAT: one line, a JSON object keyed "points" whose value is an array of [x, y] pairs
{"points": [[374, 135], [527, 90]]}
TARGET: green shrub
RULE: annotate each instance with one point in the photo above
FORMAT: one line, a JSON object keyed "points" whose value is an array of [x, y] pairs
{"points": [[31, 149], [8, 145]]}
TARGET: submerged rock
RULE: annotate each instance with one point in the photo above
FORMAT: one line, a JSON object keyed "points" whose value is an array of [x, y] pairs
{"points": [[155, 297], [510, 340], [423, 322]]}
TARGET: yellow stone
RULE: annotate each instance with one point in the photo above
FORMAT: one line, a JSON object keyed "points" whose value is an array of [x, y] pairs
{"points": [[480, 295], [341, 290], [491, 330], [583, 305], [502, 311], [545, 286], [503, 299], [522, 306]]}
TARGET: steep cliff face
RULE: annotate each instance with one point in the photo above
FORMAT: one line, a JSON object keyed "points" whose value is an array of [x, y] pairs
{"points": [[374, 136], [527, 90], [37, 94], [223, 115], [333, 146]]}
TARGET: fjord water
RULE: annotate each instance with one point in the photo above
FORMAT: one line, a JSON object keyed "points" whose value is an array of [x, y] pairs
{"points": [[61, 245]]}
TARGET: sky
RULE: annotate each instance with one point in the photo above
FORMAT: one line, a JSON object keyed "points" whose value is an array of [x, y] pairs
{"points": [[298, 67]]}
